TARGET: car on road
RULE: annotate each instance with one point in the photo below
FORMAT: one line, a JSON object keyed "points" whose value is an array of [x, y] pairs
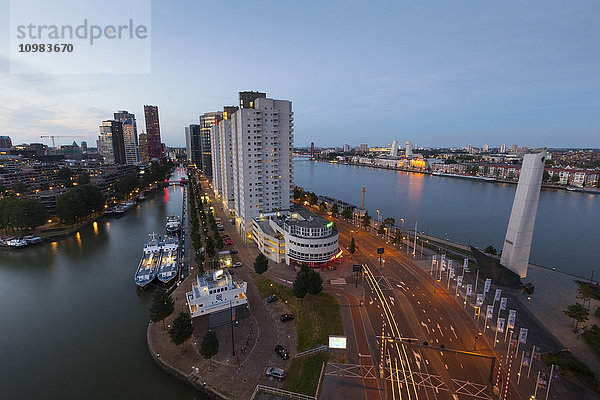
{"points": [[282, 352], [271, 298], [237, 264], [233, 251], [286, 317], [274, 372], [220, 228]]}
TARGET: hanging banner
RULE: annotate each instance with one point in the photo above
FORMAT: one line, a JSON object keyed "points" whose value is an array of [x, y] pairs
{"points": [[451, 273], [469, 289], [479, 300], [523, 335], [500, 325], [556, 373], [443, 265], [466, 264], [512, 318], [459, 281], [490, 311], [542, 380], [526, 358], [503, 303], [450, 264], [487, 286], [498, 294]]}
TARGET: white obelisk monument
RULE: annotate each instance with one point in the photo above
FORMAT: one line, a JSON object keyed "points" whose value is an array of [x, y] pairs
{"points": [[517, 244]]}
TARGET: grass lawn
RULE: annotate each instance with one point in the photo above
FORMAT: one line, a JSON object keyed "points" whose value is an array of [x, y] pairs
{"points": [[593, 338], [316, 317], [571, 368]]}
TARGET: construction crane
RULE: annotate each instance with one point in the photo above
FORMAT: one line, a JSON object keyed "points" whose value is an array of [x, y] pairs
{"points": [[56, 136]]}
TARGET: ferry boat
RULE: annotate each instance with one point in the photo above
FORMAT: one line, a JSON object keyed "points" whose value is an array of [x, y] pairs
{"points": [[215, 294], [173, 223], [148, 267], [169, 264]]}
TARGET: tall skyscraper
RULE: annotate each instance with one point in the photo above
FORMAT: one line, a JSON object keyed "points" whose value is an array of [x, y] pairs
{"points": [[519, 235], [486, 148], [409, 149], [130, 136], [84, 146], [394, 150], [5, 142], [262, 157], [111, 144], [153, 132], [503, 148], [143, 147], [346, 148], [192, 143], [207, 121]]}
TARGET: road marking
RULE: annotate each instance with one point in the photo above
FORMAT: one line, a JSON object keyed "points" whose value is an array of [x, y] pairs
{"points": [[425, 325], [440, 329], [452, 329]]}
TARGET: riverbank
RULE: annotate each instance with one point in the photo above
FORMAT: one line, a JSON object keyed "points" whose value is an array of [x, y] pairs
{"points": [[470, 177]]}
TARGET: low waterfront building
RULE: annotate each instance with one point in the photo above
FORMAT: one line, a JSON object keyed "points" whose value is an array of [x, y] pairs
{"points": [[216, 299], [297, 236]]}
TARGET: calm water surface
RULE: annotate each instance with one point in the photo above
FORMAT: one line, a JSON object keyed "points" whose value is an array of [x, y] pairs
{"points": [[567, 226], [73, 324]]}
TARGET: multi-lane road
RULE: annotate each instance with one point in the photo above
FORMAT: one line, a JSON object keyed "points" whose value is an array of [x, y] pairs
{"points": [[400, 302]]}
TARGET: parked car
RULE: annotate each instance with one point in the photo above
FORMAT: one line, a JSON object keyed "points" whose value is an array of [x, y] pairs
{"points": [[274, 372], [237, 264], [282, 352], [272, 298], [286, 317]]}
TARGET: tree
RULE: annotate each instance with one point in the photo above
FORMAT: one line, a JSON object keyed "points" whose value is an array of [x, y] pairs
{"points": [[578, 312], [546, 176], [125, 185], [210, 247], [352, 248], [490, 250], [69, 206], [585, 292], [261, 263], [347, 213], [19, 187], [307, 281], [381, 230], [312, 199], [209, 346], [389, 221], [334, 210], [162, 306], [555, 178], [182, 328], [83, 178], [298, 193], [397, 238], [366, 220], [322, 206]]}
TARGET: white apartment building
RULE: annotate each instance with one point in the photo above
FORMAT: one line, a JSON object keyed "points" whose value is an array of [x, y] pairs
{"points": [[262, 141], [222, 163]]}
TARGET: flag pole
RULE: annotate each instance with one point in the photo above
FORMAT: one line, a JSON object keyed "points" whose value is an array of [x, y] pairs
{"points": [[531, 362]]}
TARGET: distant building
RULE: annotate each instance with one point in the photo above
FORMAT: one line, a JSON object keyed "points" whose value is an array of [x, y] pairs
{"points": [[346, 148], [486, 148], [207, 121], [155, 149], [84, 147], [130, 136], [143, 147], [5, 142], [363, 147], [409, 149], [394, 150], [192, 143], [112, 146], [503, 148]]}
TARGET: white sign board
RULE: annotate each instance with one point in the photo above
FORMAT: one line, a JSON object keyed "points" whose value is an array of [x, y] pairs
{"points": [[337, 342]]}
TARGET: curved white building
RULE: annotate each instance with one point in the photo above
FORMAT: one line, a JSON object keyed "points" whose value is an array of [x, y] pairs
{"points": [[297, 236]]}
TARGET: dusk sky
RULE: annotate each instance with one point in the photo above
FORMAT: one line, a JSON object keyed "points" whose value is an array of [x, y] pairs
{"points": [[435, 73]]}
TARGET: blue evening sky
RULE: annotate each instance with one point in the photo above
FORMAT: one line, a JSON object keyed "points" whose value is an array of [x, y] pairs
{"points": [[436, 73]]}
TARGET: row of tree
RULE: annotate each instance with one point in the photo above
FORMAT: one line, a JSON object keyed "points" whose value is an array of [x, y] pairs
{"points": [[21, 214], [79, 202]]}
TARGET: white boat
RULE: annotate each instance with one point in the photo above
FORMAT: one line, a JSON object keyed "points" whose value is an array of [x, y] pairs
{"points": [[168, 262], [148, 267], [16, 242], [123, 207], [173, 223]]}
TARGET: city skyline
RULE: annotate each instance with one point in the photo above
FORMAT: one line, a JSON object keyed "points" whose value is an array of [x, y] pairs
{"points": [[433, 75]]}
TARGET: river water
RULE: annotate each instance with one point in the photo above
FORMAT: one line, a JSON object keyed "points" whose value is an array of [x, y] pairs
{"points": [[567, 227], [73, 324]]}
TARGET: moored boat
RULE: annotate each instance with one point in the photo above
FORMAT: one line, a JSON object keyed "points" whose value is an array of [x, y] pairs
{"points": [[173, 223], [169, 261], [148, 267]]}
